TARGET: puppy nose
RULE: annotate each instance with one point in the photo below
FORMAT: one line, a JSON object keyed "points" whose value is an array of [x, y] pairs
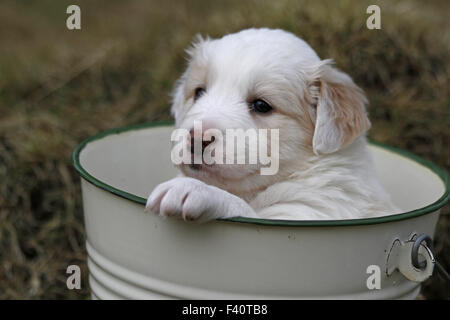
{"points": [[204, 142]]}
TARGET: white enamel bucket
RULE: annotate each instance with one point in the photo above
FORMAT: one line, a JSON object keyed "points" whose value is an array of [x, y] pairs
{"points": [[134, 255]]}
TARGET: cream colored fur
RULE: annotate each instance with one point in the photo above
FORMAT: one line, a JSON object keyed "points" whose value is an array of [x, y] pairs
{"points": [[325, 170]]}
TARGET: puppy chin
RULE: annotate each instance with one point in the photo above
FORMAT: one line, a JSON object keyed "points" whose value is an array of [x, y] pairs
{"points": [[220, 175]]}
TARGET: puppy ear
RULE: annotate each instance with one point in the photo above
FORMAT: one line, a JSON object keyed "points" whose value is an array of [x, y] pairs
{"points": [[177, 96], [195, 57], [340, 112]]}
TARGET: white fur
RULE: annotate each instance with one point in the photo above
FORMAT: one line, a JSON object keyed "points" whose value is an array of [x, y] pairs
{"points": [[325, 169]]}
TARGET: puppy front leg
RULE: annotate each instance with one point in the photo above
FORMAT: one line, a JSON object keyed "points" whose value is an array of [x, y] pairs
{"points": [[192, 199]]}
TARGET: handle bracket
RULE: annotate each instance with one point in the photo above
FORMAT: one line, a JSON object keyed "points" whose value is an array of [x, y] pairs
{"points": [[405, 257]]}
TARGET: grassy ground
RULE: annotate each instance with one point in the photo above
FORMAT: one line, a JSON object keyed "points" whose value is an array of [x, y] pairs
{"points": [[58, 87]]}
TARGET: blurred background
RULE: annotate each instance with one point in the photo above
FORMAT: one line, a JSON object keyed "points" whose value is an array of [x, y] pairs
{"points": [[58, 87]]}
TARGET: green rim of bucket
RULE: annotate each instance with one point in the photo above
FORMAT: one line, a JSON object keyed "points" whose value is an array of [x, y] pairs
{"points": [[290, 223]]}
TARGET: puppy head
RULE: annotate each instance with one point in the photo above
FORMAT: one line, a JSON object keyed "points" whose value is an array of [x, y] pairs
{"points": [[267, 79]]}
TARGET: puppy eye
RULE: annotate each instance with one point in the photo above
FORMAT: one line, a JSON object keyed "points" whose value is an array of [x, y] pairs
{"points": [[260, 106], [198, 93]]}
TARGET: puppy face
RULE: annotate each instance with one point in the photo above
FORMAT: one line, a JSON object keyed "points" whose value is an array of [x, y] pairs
{"points": [[267, 79]]}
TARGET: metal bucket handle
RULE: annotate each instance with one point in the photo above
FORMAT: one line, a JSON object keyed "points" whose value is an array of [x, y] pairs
{"points": [[415, 251]]}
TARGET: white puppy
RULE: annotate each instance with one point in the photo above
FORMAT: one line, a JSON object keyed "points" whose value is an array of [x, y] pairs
{"points": [[261, 78]]}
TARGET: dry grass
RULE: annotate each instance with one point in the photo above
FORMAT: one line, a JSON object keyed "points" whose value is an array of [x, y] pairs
{"points": [[58, 87]]}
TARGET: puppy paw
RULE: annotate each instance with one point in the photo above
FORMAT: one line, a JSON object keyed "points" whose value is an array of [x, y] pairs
{"points": [[187, 198]]}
